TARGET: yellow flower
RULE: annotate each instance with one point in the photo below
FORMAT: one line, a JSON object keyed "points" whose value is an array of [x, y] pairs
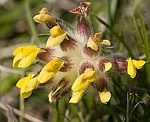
{"points": [[50, 70], [24, 56], [57, 36], [94, 42], [43, 16], [80, 84], [76, 96], [83, 80], [27, 84], [105, 96], [133, 65]]}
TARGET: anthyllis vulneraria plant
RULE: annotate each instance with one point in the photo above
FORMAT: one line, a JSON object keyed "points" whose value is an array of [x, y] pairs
{"points": [[73, 59]]}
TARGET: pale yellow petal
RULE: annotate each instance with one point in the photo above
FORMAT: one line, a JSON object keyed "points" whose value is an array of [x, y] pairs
{"points": [[56, 31], [43, 18], [138, 64], [105, 96], [53, 41], [76, 97], [131, 70], [92, 44], [108, 66], [106, 42]]}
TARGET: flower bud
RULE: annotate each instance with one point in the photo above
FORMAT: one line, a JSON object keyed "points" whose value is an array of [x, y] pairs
{"points": [[68, 44], [90, 52], [104, 65], [100, 84], [85, 64], [46, 55], [119, 64], [83, 27], [59, 91], [67, 64]]}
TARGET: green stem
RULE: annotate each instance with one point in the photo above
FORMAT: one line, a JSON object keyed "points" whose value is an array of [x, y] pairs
{"points": [[30, 22], [127, 108], [117, 36], [59, 111]]}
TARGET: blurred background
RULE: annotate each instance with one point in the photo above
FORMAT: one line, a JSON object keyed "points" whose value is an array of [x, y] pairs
{"points": [[129, 19]]}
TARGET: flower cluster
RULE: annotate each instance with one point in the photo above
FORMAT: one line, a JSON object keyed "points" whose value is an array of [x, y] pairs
{"points": [[73, 59]]}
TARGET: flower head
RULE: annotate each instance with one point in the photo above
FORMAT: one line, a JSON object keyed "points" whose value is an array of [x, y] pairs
{"points": [[24, 56], [133, 65]]}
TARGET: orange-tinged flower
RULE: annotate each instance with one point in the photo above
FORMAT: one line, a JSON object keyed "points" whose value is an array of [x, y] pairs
{"points": [[43, 16], [93, 43]]}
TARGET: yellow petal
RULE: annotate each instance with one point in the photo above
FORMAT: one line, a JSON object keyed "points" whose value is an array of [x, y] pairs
{"points": [[76, 96], [18, 50], [27, 50], [50, 70], [138, 64], [43, 18], [45, 76], [105, 96], [108, 66], [53, 41], [54, 64], [83, 80], [17, 60], [26, 61], [89, 73], [92, 44], [56, 31], [131, 69], [26, 94], [80, 84], [24, 80], [29, 86]]}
